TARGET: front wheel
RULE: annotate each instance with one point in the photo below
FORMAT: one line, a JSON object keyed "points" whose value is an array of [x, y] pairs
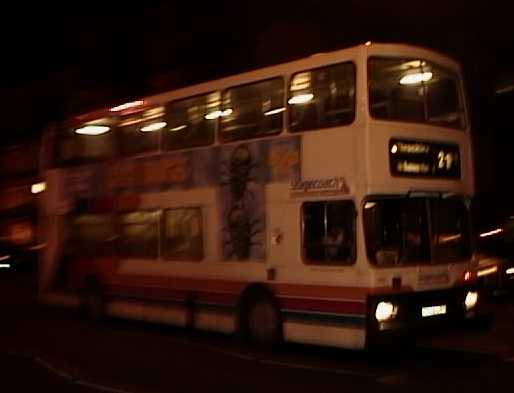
{"points": [[263, 322]]}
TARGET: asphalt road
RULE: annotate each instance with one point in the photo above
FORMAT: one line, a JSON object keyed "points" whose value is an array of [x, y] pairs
{"points": [[52, 349]]}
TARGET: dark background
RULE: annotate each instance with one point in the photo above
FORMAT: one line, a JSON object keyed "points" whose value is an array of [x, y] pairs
{"points": [[61, 59]]}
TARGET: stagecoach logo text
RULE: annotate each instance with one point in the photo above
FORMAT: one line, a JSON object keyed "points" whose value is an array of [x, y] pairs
{"points": [[321, 186]]}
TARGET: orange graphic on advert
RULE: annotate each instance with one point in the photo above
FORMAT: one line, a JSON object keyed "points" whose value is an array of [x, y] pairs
{"points": [[176, 170], [282, 160]]}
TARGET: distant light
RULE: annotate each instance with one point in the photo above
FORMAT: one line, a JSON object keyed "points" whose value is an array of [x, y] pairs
{"points": [[38, 246], [467, 275], [5, 265], [368, 43], [449, 238], [506, 89], [127, 105], [394, 148], [301, 99], [178, 128], [159, 125], [369, 205], [5, 257], [510, 270], [36, 188], [92, 130], [217, 113], [487, 271], [274, 111], [413, 79], [491, 233]]}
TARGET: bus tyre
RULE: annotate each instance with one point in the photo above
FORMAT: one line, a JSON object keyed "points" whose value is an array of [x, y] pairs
{"points": [[93, 302], [262, 322]]}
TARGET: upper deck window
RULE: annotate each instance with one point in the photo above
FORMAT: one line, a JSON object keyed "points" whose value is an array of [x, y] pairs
{"points": [[323, 97], [191, 121], [139, 132], [252, 111], [415, 90], [84, 144]]}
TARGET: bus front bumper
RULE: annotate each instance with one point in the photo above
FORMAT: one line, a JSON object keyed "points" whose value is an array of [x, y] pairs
{"points": [[420, 314]]}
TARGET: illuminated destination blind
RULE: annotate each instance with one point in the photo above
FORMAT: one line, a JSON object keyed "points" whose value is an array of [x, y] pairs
{"points": [[422, 158]]}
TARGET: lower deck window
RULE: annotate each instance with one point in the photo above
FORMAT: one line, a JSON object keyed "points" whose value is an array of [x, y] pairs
{"points": [[183, 234], [329, 232], [91, 235], [139, 234]]}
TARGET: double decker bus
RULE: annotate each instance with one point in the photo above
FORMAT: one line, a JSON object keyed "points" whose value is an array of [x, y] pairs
{"points": [[322, 201]]}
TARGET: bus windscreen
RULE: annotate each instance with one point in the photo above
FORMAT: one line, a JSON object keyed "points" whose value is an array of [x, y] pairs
{"points": [[415, 90]]}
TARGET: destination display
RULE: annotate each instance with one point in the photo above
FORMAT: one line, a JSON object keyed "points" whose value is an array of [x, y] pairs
{"points": [[424, 159]]}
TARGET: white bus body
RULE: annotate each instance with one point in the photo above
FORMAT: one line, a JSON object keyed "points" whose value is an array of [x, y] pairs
{"points": [[261, 269]]}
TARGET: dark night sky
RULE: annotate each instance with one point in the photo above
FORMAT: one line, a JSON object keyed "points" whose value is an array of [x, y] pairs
{"points": [[53, 54], [128, 42]]}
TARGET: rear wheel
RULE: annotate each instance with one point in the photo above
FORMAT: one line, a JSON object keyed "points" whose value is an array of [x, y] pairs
{"points": [[263, 323]]}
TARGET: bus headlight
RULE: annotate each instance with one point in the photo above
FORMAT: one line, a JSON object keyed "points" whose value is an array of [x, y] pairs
{"points": [[471, 300], [385, 311]]}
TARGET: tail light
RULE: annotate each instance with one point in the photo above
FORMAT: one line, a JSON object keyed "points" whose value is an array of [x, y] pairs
{"points": [[467, 276]]}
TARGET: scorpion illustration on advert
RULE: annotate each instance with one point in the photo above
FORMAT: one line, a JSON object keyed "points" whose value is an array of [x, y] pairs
{"points": [[245, 170], [242, 201]]}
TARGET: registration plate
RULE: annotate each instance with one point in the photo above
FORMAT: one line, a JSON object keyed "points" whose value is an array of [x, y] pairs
{"points": [[433, 310]]}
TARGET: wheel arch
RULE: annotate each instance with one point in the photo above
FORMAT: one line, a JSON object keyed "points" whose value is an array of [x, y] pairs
{"points": [[251, 292]]}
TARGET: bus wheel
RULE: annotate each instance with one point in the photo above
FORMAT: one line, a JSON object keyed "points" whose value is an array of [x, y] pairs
{"points": [[93, 301], [262, 322]]}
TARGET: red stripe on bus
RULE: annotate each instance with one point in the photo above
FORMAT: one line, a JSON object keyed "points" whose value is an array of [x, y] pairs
{"points": [[324, 306], [236, 287]]}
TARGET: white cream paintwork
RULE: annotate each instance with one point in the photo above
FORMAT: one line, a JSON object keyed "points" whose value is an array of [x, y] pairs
{"points": [[220, 322], [411, 276], [325, 335], [142, 311], [172, 314]]}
